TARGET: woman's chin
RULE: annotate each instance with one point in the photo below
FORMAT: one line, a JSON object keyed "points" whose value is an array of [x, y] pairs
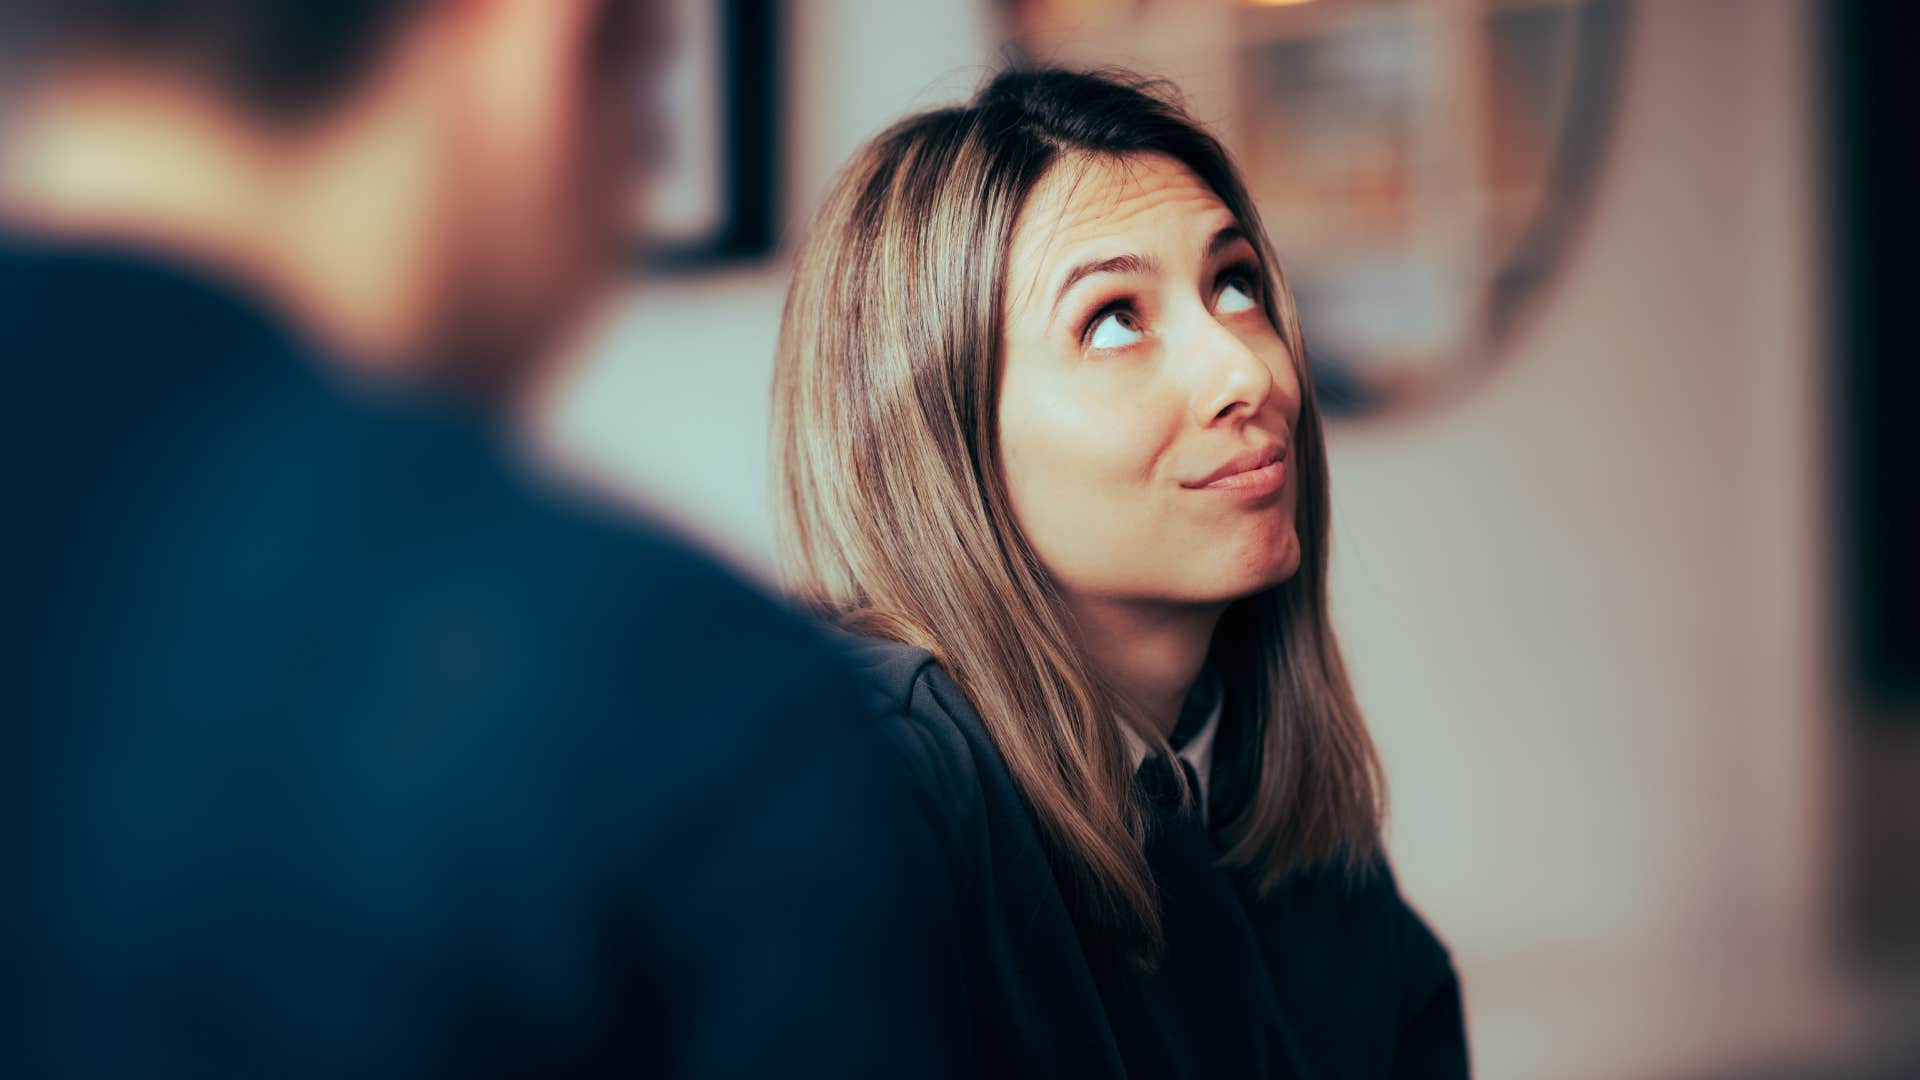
{"points": [[1248, 574], [1274, 563]]}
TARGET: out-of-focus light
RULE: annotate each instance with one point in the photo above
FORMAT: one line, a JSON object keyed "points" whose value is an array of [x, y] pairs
{"points": [[1275, 3]]}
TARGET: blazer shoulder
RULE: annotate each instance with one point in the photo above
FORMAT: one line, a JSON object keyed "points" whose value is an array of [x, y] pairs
{"points": [[1366, 897], [1367, 905], [908, 681], [928, 722], [891, 668]]}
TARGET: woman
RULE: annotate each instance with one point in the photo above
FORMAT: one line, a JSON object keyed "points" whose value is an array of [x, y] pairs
{"points": [[1045, 437]]}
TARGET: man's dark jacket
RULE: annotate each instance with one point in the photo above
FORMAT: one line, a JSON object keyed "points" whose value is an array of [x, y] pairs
{"points": [[334, 748]]}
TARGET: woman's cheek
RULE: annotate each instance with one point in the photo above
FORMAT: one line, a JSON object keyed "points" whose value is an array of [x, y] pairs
{"points": [[1070, 473]]}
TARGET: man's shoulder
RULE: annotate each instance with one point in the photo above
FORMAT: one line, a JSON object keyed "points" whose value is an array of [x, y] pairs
{"points": [[609, 594], [190, 435]]}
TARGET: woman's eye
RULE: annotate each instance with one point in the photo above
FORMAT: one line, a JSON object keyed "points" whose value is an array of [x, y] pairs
{"points": [[1236, 296], [1114, 330]]}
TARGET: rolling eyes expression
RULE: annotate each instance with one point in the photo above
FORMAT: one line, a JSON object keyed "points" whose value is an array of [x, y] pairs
{"points": [[1117, 324]]}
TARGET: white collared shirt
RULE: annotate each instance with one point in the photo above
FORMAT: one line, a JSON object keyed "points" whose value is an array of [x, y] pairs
{"points": [[1198, 751]]}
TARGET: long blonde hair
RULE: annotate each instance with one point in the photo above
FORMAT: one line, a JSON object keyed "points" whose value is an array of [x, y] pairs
{"points": [[895, 517]]}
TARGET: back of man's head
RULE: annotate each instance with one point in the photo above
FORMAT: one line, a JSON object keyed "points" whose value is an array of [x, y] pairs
{"points": [[433, 185], [285, 59]]}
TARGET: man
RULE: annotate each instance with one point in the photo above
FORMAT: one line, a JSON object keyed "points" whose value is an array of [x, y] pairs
{"points": [[332, 747]]}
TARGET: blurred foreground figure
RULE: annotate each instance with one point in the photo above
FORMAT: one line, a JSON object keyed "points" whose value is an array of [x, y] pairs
{"points": [[332, 747]]}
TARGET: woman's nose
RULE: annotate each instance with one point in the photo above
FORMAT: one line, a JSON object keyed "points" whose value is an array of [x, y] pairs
{"points": [[1231, 382]]}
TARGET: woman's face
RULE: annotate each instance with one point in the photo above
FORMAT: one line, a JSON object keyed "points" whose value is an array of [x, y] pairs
{"points": [[1147, 405]]}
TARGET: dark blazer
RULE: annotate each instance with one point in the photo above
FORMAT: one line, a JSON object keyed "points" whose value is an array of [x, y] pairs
{"points": [[1324, 978], [334, 748]]}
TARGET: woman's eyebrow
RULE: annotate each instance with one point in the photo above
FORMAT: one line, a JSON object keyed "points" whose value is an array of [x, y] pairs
{"points": [[1226, 238], [1119, 264]]}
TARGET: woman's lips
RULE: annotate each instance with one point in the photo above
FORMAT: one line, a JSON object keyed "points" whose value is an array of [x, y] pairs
{"points": [[1261, 470], [1264, 480]]}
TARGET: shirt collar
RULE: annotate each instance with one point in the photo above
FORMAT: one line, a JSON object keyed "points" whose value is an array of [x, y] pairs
{"points": [[1197, 751]]}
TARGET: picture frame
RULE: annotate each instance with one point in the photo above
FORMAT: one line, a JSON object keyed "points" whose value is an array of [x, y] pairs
{"points": [[718, 201], [1424, 170]]}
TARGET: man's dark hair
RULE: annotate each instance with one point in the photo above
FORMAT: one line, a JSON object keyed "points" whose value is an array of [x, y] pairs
{"points": [[284, 59]]}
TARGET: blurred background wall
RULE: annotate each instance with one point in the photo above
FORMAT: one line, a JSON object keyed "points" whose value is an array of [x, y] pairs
{"points": [[1587, 598]]}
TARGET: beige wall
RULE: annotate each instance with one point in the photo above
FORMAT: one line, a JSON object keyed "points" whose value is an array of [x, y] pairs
{"points": [[1583, 603]]}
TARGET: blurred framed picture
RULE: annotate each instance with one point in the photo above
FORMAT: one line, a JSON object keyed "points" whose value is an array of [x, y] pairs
{"points": [[1427, 170], [717, 200], [1423, 168]]}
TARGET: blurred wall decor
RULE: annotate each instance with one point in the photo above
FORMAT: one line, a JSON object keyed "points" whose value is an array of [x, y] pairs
{"points": [[1874, 167], [719, 197], [1877, 100], [1423, 165]]}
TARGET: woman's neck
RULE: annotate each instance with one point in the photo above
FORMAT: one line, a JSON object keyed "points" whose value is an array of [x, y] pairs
{"points": [[1150, 653]]}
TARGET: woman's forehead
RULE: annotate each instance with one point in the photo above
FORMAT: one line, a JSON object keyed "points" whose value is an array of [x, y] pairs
{"points": [[1092, 198], [1101, 206]]}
